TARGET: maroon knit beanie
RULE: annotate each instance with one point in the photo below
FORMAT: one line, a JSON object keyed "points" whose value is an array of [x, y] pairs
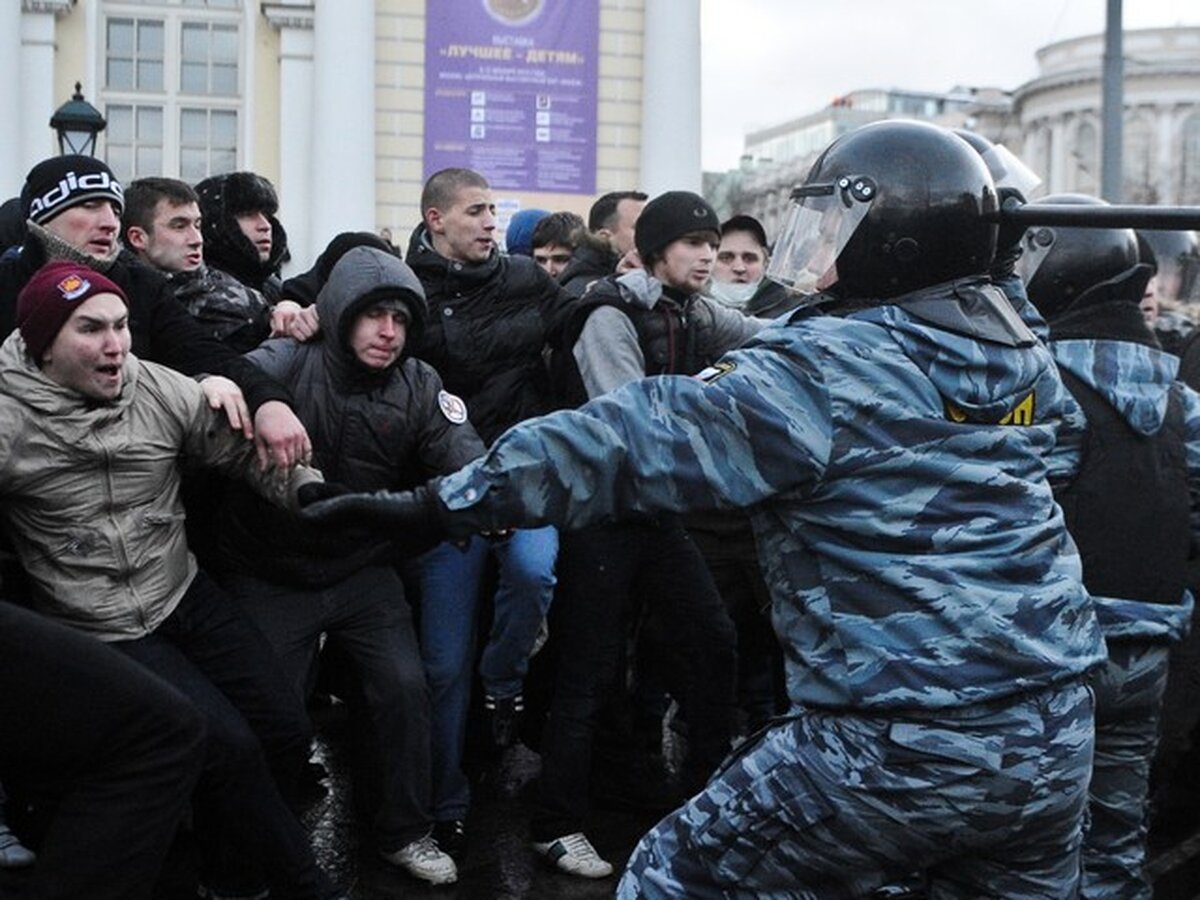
{"points": [[51, 296]]}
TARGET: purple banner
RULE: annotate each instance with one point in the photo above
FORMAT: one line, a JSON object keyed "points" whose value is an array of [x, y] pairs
{"points": [[510, 91]]}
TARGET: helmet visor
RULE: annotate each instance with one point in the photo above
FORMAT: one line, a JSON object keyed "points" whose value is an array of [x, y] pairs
{"points": [[1179, 279], [1009, 172], [822, 219]]}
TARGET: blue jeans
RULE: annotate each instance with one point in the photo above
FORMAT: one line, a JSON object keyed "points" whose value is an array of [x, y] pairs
{"points": [[451, 580], [367, 617]]}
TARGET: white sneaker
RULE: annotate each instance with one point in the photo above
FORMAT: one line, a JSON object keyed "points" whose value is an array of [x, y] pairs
{"points": [[424, 859], [574, 854], [13, 854]]}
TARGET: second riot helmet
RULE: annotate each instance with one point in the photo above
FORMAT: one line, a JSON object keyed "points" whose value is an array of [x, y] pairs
{"points": [[1061, 264]]}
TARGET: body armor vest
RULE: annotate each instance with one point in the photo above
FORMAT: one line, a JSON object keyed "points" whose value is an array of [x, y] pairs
{"points": [[1127, 507]]}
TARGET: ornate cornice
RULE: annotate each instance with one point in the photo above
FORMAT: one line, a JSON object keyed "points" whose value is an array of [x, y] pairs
{"points": [[58, 7], [289, 15]]}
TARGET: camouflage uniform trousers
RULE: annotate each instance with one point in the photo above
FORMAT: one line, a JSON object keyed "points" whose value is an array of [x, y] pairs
{"points": [[987, 801], [1129, 693]]}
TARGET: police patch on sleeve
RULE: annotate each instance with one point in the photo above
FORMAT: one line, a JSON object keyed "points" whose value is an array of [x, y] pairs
{"points": [[452, 407], [716, 371]]}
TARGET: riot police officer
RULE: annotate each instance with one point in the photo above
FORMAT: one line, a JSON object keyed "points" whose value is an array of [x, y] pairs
{"points": [[891, 451], [1126, 501]]}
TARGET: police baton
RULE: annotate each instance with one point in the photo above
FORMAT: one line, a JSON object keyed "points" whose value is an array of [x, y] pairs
{"points": [[1162, 218]]}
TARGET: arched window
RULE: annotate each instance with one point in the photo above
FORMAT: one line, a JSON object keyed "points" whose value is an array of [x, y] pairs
{"points": [[1189, 161], [1137, 163], [1083, 160], [172, 74]]}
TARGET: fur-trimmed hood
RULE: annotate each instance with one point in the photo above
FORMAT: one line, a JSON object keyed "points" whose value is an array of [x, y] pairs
{"points": [[222, 199]]}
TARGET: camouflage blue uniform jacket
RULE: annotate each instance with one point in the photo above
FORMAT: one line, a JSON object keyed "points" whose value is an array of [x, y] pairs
{"points": [[895, 474]]}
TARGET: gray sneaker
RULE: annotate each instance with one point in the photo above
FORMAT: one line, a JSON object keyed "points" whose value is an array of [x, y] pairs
{"points": [[575, 855], [424, 859]]}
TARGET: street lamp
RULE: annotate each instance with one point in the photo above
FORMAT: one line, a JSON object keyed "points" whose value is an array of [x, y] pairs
{"points": [[77, 123]]}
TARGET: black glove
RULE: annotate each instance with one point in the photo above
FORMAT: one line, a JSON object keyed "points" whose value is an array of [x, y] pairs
{"points": [[415, 521], [1008, 240], [315, 491]]}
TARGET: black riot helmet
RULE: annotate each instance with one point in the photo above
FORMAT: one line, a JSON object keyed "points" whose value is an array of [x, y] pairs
{"points": [[1177, 258], [1008, 171], [889, 208], [1061, 265]]}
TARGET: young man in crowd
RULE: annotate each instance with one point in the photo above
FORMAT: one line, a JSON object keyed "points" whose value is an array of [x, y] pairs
{"points": [[91, 445], [492, 317], [650, 321], [554, 241], [607, 245], [242, 232], [739, 274], [380, 419], [162, 225]]}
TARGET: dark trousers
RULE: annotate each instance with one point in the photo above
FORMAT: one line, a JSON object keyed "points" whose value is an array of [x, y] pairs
{"points": [[604, 574], [258, 735], [732, 558], [114, 748], [368, 618]]}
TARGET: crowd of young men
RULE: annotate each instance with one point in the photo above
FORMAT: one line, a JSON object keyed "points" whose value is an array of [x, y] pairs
{"points": [[840, 499]]}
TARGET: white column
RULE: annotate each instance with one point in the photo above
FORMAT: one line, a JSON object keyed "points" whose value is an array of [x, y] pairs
{"points": [[671, 97], [342, 120], [11, 160], [1166, 142], [36, 86], [295, 24], [1057, 176]]}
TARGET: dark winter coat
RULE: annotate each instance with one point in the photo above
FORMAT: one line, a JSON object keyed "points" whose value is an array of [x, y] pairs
{"points": [[592, 260], [371, 430], [236, 315], [489, 325]]}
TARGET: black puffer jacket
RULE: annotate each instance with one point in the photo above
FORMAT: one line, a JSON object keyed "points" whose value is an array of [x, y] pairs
{"points": [[489, 325], [162, 330], [371, 430]]}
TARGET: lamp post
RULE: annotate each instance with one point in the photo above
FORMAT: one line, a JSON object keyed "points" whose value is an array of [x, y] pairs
{"points": [[77, 123]]}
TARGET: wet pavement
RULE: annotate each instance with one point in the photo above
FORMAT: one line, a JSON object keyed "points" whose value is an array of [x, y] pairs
{"points": [[498, 862]]}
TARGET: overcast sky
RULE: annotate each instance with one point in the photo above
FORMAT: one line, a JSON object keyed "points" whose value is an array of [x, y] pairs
{"points": [[766, 61]]}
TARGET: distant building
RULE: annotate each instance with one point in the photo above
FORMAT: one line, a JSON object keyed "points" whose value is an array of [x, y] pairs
{"points": [[778, 158], [1060, 116], [1052, 122]]}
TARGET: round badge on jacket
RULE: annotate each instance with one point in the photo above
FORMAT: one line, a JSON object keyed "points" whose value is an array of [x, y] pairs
{"points": [[452, 407]]}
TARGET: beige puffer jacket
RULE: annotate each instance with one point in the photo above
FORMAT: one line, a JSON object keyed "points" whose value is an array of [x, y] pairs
{"points": [[89, 493]]}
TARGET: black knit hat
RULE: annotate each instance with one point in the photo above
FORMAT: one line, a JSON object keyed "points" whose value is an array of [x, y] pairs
{"points": [[669, 217], [748, 224], [60, 182]]}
